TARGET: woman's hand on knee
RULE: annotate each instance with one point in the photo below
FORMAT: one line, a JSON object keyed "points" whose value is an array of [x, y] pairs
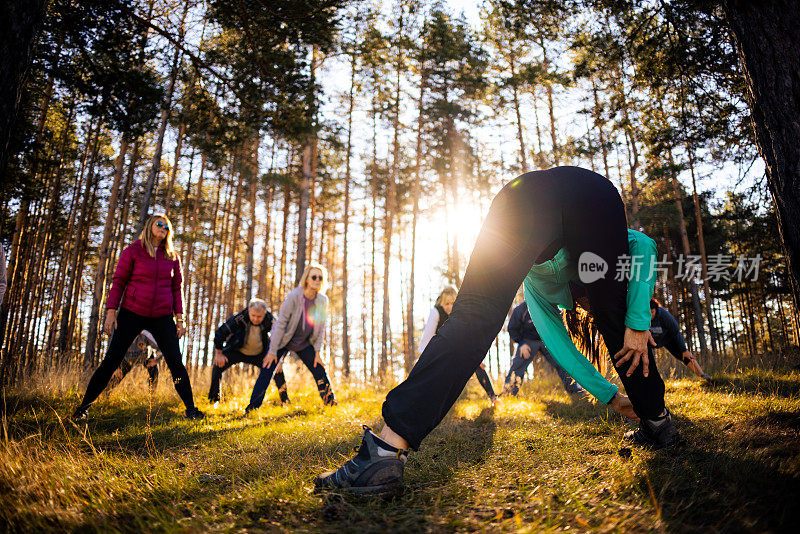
{"points": [[634, 348], [219, 359], [269, 359], [317, 360]]}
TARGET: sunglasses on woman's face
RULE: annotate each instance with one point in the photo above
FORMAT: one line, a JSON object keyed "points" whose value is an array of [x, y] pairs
{"points": [[163, 225], [315, 277]]}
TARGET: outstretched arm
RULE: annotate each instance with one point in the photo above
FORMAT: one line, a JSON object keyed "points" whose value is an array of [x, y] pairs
{"points": [[429, 330]]}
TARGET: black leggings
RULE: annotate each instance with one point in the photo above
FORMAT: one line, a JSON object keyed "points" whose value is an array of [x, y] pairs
{"points": [[130, 325], [530, 219], [307, 356], [234, 356]]}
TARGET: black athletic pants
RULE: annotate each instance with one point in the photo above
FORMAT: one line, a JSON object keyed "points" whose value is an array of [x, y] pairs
{"points": [[130, 325], [530, 219], [307, 357], [234, 357]]}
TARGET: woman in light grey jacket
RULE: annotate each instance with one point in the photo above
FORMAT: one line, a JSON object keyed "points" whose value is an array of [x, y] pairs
{"points": [[300, 328]]}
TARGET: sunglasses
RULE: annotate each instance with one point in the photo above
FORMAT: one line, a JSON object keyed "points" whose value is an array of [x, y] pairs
{"points": [[315, 277], [163, 225]]}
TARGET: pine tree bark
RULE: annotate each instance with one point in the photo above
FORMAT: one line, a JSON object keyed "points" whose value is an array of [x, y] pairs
{"points": [[19, 30], [100, 276], [767, 40], [347, 178], [411, 348]]}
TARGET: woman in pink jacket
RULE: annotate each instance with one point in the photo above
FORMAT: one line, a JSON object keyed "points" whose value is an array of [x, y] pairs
{"points": [[147, 292]]}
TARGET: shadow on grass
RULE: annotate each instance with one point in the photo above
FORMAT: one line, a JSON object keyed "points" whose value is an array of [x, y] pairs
{"points": [[720, 482], [756, 384], [49, 418], [456, 445], [739, 477]]}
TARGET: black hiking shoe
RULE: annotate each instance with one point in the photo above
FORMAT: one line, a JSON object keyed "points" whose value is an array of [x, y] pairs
{"points": [[655, 434], [80, 414], [213, 399], [194, 413], [377, 469]]}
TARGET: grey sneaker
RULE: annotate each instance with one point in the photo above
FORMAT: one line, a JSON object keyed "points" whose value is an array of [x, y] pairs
{"points": [[655, 434], [377, 469]]}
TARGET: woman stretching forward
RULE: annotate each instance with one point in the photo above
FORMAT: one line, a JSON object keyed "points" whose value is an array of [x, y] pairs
{"points": [[300, 328], [148, 284], [547, 230]]}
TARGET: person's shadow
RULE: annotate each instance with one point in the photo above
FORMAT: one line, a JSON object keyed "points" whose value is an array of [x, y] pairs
{"points": [[755, 384], [727, 476]]}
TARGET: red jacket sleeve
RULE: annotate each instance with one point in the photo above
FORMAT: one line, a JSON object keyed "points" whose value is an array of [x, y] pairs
{"points": [[121, 276], [177, 288]]}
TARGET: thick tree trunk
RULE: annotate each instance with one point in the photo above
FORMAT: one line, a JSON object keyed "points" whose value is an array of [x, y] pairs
{"points": [[144, 208], [251, 230], [19, 29], [306, 184], [523, 164], [347, 177], [302, 212], [100, 276], [698, 311], [767, 39], [174, 173], [411, 348], [390, 207], [701, 243]]}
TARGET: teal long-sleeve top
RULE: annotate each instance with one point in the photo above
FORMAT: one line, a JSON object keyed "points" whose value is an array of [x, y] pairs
{"points": [[547, 288]]}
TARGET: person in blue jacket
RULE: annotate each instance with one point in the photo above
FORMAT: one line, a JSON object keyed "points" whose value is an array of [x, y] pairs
{"points": [[523, 332], [666, 333], [548, 230]]}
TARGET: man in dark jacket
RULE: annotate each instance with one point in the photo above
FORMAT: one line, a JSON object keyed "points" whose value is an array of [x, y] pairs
{"points": [[529, 343], [667, 334], [244, 338]]}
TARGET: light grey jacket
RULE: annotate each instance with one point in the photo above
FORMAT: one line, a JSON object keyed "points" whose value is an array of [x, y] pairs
{"points": [[289, 317]]}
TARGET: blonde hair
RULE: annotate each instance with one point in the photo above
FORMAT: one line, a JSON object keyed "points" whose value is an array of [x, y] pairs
{"points": [[304, 279], [146, 237], [449, 291]]}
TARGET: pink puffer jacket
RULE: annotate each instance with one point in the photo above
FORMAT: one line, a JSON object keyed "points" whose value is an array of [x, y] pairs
{"points": [[152, 286]]}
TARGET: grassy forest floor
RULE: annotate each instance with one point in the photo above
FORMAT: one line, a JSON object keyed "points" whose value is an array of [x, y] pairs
{"points": [[541, 462]]}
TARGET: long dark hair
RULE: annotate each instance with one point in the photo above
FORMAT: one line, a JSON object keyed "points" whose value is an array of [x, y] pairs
{"points": [[584, 333]]}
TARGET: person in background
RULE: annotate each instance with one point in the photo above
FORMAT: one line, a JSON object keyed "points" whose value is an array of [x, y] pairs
{"points": [[144, 350], [300, 328], [244, 338], [147, 291], [522, 331], [439, 314], [667, 334]]}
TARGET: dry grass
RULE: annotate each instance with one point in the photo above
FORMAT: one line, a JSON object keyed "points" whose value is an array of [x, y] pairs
{"points": [[540, 462]]}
